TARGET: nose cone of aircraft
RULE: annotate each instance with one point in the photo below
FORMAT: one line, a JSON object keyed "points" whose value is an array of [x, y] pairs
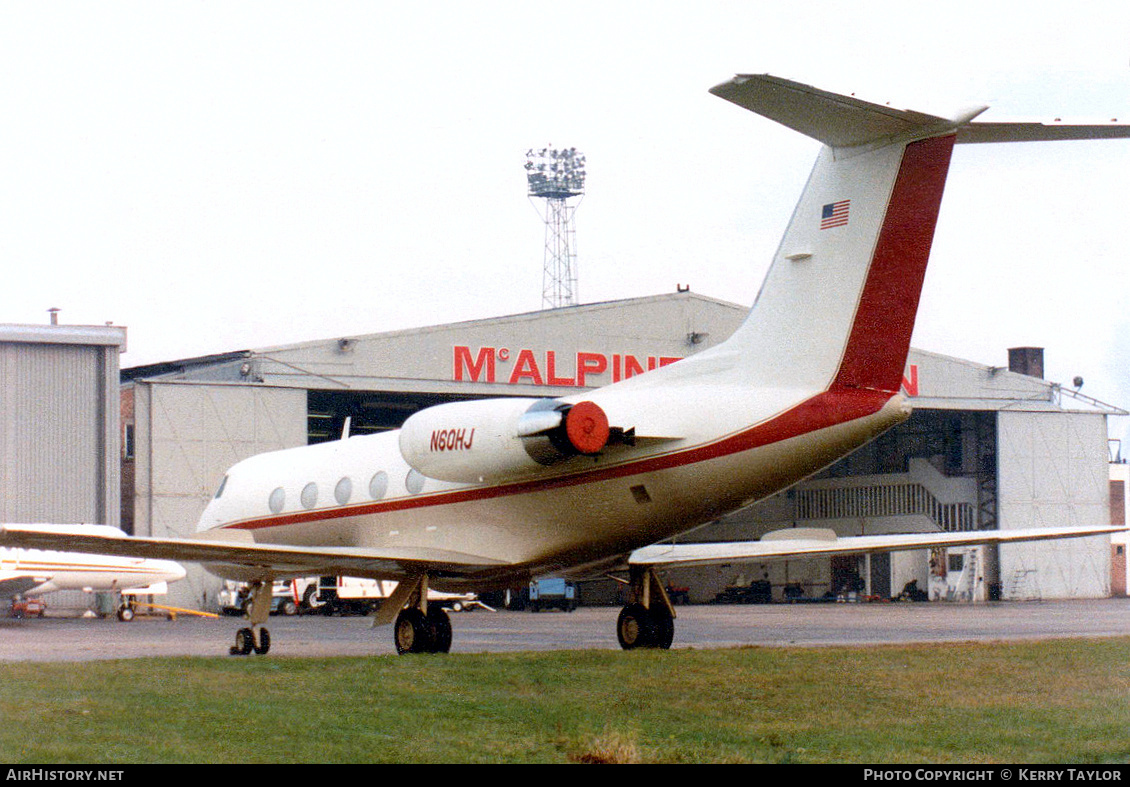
{"points": [[170, 571]]}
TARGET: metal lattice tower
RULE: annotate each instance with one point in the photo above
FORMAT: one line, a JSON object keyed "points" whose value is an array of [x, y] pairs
{"points": [[556, 176]]}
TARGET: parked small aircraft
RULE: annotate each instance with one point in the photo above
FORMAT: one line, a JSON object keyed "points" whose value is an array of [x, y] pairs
{"points": [[470, 495], [25, 572]]}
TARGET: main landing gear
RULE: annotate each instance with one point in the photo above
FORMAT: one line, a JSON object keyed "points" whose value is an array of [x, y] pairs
{"points": [[649, 620], [420, 627], [255, 639]]}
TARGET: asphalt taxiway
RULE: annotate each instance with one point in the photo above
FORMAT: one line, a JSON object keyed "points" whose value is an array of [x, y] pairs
{"points": [[804, 625]]}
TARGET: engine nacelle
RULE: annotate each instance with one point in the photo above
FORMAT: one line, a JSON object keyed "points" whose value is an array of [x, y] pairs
{"points": [[491, 439]]}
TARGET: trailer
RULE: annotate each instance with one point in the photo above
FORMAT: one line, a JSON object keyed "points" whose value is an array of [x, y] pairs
{"points": [[343, 595]]}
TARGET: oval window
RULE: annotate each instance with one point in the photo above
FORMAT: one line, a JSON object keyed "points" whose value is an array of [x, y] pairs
{"points": [[343, 491], [378, 485], [277, 500], [414, 482], [310, 495]]}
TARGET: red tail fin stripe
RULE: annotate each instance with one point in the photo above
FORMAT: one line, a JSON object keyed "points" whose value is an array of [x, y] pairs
{"points": [[877, 346]]}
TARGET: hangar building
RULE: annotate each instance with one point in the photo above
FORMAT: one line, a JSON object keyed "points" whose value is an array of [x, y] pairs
{"points": [[59, 451], [59, 423], [987, 447]]}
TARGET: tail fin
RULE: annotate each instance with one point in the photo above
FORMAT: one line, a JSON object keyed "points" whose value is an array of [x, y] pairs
{"points": [[837, 307]]}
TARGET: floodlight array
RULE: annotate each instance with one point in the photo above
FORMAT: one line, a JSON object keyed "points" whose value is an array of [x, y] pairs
{"points": [[555, 174]]}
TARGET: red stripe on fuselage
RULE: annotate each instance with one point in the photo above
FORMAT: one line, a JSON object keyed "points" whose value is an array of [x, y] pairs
{"points": [[831, 408], [875, 356], [870, 371]]}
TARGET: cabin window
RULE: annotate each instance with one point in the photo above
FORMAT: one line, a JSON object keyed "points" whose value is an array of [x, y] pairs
{"points": [[414, 482], [378, 485], [309, 496], [277, 500], [220, 491], [343, 491]]}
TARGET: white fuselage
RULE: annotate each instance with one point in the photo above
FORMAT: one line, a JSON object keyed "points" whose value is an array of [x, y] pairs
{"points": [[812, 374], [77, 571], [734, 446]]}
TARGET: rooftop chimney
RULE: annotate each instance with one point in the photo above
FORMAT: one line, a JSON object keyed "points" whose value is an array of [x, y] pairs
{"points": [[1026, 360]]}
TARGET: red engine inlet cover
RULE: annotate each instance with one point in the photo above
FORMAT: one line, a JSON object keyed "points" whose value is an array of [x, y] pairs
{"points": [[586, 426]]}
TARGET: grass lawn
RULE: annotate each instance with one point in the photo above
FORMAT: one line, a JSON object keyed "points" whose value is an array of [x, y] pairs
{"points": [[1062, 701]]}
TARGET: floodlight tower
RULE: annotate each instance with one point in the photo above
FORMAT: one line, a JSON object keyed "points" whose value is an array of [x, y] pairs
{"points": [[556, 176]]}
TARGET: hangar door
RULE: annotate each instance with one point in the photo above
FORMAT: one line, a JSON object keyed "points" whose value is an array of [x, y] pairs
{"points": [[1053, 472], [57, 443], [186, 436]]}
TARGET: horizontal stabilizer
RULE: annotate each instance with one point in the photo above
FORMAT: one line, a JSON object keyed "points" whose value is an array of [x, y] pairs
{"points": [[1028, 131], [809, 543], [847, 122], [836, 120]]}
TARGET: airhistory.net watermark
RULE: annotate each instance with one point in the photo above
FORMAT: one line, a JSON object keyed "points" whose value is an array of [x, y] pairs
{"points": [[61, 775]]}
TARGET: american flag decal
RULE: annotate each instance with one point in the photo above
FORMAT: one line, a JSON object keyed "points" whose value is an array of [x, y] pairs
{"points": [[835, 214]]}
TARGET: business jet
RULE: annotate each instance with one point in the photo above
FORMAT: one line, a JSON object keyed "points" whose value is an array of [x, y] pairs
{"points": [[479, 494], [32, 572]]}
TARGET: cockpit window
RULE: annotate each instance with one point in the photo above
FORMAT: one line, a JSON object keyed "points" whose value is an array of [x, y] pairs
{"points": [[220, 491]]}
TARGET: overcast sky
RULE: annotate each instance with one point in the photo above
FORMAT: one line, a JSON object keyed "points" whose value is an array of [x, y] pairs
{"points": [[221, 176]]}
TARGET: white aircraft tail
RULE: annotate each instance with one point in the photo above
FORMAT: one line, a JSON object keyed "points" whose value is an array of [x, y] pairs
{"points": [[837, 307]]}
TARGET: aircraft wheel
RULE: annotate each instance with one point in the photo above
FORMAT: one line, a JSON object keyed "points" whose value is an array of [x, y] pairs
{"points": [[244, 642], [440, 625], [263, 646], [125, 613], [413, 633], [664, 628], [635, 628]]}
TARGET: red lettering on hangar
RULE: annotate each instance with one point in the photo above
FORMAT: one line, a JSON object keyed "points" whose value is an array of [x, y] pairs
{"points": [[590, 369], [548, 368], [910, 380]]}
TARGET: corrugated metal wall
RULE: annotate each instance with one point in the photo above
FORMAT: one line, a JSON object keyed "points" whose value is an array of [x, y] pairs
{"points": [[58, 449], [59, 440], [186, 437], [1053, 473]]}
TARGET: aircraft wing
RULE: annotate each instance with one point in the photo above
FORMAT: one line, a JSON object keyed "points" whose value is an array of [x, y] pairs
{"points": [[13, 583], [274, 559], [810, 542]]}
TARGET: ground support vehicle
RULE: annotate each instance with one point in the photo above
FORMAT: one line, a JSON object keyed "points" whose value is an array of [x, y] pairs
{"points": [[552, 594]]}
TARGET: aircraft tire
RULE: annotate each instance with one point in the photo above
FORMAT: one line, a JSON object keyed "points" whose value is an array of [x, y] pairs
{"points": [[663, 626], [263, 646], [125, 613], [413, 633], [635, 627], [440, 625], [244, 642]]}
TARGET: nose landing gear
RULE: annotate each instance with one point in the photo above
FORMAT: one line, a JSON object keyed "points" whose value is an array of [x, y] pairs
{"points": [[255, 639]]}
